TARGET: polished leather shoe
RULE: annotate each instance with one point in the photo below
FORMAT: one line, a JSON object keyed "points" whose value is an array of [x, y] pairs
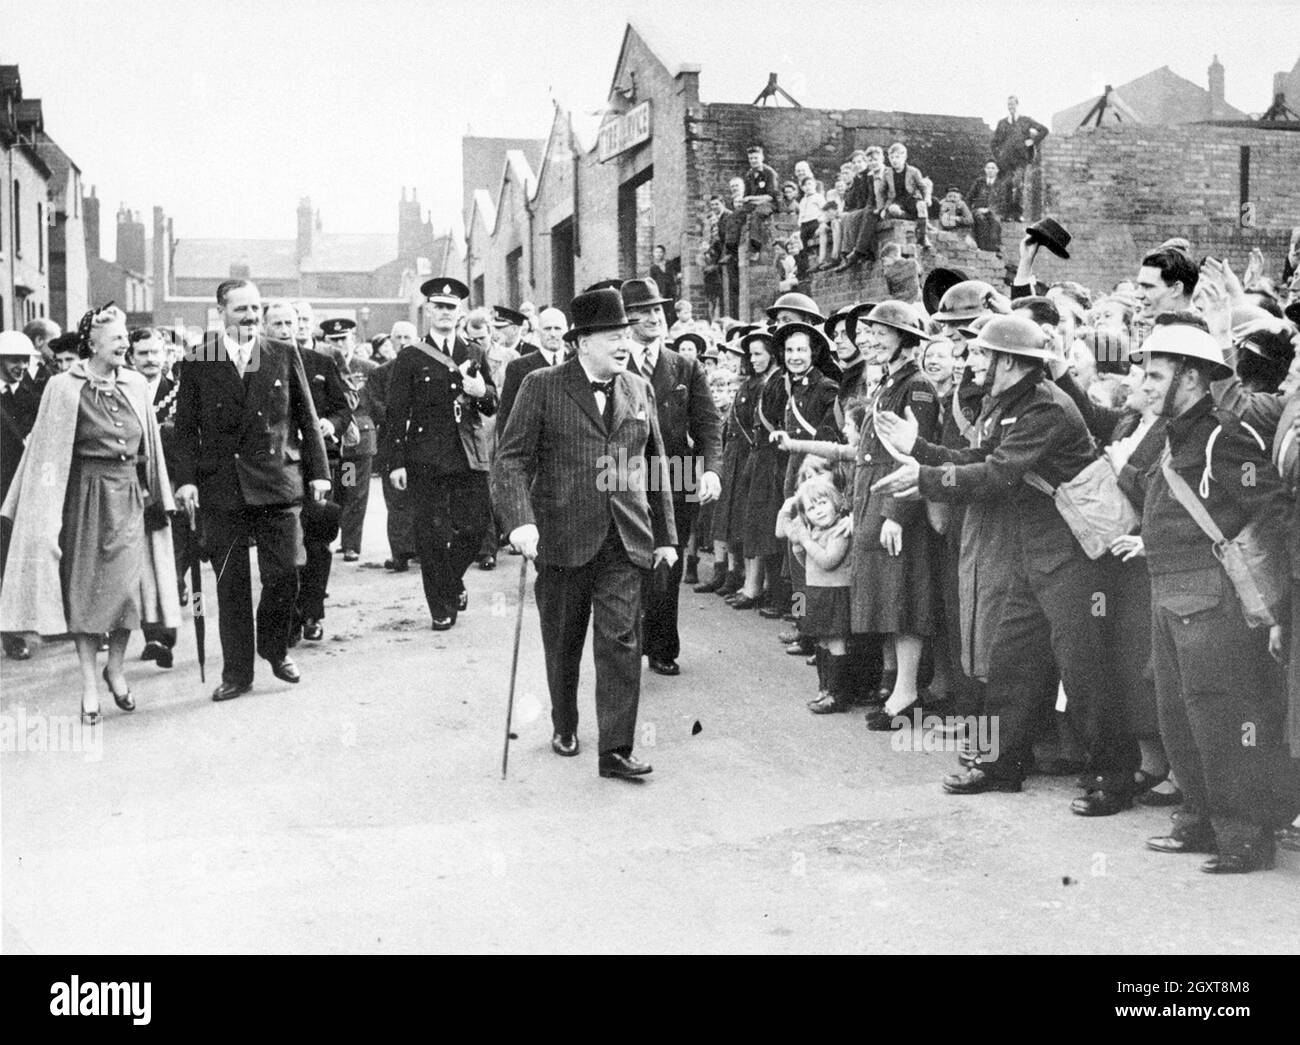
{"points": [[975, 781], [443, 623], [743, 602], [771, 612], [881, 721], [396, 565], [708, 588], [16, 649], [1185, 843], [1159, 799], [664, 667], [830, 704], [1101, 803], [286, 670], [351, 556], [462, 602], [691, 575], [122, 700], [623, 767], [487, 562], [1250, 858], [312, 630], [158, 653], [565, 744], [230, 690]]}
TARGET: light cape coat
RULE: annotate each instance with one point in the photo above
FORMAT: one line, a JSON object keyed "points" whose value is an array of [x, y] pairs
{"points": [[32, 596]]}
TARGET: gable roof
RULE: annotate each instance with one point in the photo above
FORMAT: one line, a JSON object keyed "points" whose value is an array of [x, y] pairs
{"points": [[517, 167], [484, 209], [212, 258], [60, 164], [1160, 97], [672, 65], [481, 160], [350, 252]]}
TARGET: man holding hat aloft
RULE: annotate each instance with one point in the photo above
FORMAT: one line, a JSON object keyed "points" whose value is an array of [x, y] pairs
{"points": [[692, 448], [1211, 668], [439, 448], [571, 486], [1027, 595]]}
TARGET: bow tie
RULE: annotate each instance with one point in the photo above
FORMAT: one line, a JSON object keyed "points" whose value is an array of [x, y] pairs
{"points": [[603, 386]]}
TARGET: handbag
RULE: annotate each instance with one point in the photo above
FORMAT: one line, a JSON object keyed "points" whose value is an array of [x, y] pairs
{"points": [[1255, 560], [1092, 505]]}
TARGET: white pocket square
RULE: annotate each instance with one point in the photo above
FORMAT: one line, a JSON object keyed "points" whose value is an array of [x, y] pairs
{"points": [[640, 414], [277, 383]]}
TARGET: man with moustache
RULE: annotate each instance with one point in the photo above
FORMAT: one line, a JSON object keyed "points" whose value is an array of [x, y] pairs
{"points": [[568, 489], [333, 402], [246, 444], [691, 426], [401, 545], [438, 447], [552, 326]]}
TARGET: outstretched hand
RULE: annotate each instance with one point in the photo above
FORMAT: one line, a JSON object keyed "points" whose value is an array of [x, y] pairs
{"points": [[899, 434]]}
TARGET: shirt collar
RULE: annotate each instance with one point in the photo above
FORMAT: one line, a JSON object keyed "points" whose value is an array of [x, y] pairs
{"points": [[234, 348]]}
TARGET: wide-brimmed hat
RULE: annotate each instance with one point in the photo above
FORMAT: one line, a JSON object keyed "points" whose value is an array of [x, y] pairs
{"points": [[15, 343], [821, 347], [698, 340], [642, 293], [837, 317], [445, 289], [1052, 235], [596, 310], [768, 340], [796, 302], [937, 283], [1015, 335]]}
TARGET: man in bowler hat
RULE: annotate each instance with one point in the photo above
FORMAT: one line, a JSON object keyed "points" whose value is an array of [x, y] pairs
{"points": [[570, 486]]}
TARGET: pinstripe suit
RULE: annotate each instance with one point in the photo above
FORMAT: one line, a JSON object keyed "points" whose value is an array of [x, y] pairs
{"points": [[559, 467]]}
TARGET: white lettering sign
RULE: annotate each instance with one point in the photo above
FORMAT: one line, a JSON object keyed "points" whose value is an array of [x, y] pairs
{"points": [[625, 132]]}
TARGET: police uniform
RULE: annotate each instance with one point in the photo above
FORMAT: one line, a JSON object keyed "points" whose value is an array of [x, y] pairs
{"points": [[436, 433]]}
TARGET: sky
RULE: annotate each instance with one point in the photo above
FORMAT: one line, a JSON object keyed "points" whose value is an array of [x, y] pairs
{"points": [[226, 114]]}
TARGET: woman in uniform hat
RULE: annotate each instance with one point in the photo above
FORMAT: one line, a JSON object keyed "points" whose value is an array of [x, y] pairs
{"points": [[763, 550], [893, 591], [92, 551]]}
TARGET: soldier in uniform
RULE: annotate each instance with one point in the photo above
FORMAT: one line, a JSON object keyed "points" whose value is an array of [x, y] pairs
{"points": [[437, 447], [1027, 587], [400, 543], [692, 435], [334, 402], [1211, 669]]}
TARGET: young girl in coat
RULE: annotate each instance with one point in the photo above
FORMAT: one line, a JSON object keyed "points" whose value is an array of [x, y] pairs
{"points": [[820, 537]]}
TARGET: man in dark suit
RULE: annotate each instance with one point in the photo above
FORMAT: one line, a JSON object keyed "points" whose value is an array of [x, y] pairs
{"points": [[438, 447], [333, 402], [571, 486], [246, 440], [552, 325], [1015, 146], [401, 544], [691, 426], [358, 446], [20, 398]]}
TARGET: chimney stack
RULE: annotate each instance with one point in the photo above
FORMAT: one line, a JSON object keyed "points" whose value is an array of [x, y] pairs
{"points": [[306, 225], [90, 214], [1217, 107]]}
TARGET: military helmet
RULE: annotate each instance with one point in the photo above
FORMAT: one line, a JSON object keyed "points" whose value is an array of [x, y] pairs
{"points": [[16, 343], [1269, 338], [800, 303], [964, 300], [897, 315], [1185, 342], [1016, 335]]}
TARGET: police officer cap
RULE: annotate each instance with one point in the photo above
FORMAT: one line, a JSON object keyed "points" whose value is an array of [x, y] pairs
{"points": [[505, 317], [444, 288], [1186, 342], [336, 327], [16, 343]]}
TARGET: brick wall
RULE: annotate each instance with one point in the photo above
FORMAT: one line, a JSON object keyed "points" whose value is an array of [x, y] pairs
{"points": [[1121, 191]]}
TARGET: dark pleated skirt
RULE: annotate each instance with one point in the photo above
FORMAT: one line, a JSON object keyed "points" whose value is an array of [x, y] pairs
{"points": [[729, 517], [827, 613], [766, 495], [103, 546]]}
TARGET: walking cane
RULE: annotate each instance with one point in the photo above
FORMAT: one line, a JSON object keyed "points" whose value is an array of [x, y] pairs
{"points": [[514, 663], [196, 596]]}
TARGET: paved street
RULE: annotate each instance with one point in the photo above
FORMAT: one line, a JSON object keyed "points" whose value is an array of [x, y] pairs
{"points": [[363, 810]]}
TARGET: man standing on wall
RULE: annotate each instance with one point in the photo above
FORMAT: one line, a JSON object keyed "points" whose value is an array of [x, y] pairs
{"points": [[1015, 147]]}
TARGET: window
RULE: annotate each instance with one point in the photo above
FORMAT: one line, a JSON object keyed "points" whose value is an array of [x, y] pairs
{"points": [[18, 225], [514, 288]]}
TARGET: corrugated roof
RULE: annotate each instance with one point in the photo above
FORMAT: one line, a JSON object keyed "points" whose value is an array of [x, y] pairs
{"points": [[350, 252], [212, 258], [1160, 97]]}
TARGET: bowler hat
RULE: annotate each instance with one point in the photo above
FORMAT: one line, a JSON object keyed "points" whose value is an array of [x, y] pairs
{"points": [[642, 293], [937, 283], [504, 317], [596, 310], [444, 288], [1052, 235], [604, 284]]}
